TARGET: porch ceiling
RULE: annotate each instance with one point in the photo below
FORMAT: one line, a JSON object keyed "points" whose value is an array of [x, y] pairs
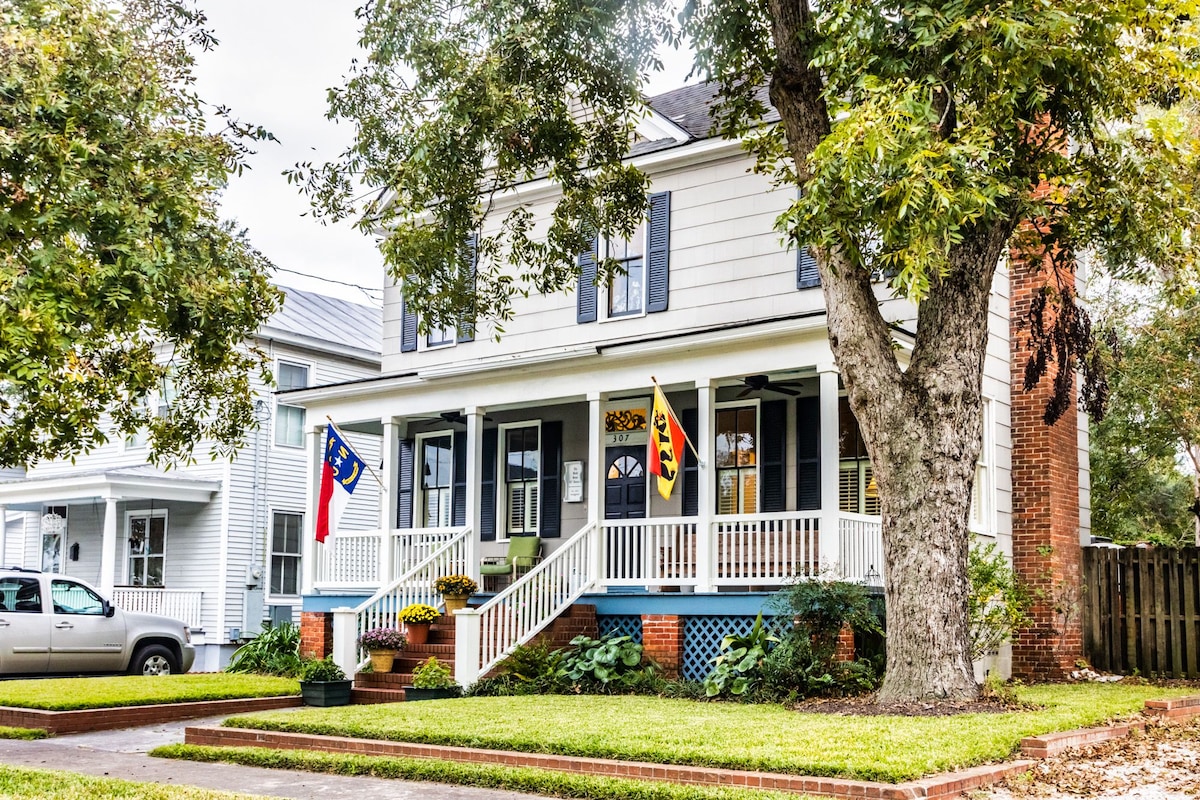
{"points": [[121, 483]]}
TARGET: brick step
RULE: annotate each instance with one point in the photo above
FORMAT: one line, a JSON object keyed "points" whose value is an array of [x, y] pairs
{"points": [[371, 696]]}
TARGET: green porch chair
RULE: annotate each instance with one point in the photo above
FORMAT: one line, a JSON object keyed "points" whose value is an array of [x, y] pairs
{"points": [[524, 552]]}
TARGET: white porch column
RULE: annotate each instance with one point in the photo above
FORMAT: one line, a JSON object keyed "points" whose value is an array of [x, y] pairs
{"points": [[595, 484], [108, 548], [474, 416], [830, 538], [706, 495], [345, 632], [4, 559], [310, 551], [387, 499]]}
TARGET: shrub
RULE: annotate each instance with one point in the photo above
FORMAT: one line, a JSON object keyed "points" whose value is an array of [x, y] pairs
{"points": [[455, 584], [599, 661], [322, 669], [275, 651], [418, 613], [821, 608], [433, 674], [737, 667], [998, 604], [382, 639]]}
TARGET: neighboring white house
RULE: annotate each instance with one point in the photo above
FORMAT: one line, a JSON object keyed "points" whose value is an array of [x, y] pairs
{"points": [[544, 431], [217, 543]]}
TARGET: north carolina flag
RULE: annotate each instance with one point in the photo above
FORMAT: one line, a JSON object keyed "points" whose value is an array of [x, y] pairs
{"points": [[666, 444], [339, 476]]}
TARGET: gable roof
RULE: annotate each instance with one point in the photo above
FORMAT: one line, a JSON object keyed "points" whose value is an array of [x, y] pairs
{"points": [[326, 323], [690, 109]]}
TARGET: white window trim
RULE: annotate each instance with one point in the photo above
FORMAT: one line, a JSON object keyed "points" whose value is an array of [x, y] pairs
{"points": [[312, 381], [748, 401], [418, 466], [502, 483], [423, 341], [145, 512], [984, 523], [602, 304], [283, 599]]}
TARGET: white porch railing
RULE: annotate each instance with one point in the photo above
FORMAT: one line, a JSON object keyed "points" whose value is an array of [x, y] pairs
{"points": [[453, 557], [180, 604], [656, 552], [860, 548], [355, 558], [485, 635], [766, 548]]}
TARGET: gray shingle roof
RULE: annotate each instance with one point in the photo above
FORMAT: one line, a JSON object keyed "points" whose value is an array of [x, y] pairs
{"points": [[689, 107], [328, 319]]}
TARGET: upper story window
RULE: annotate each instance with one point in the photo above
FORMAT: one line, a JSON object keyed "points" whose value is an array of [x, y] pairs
{"points": [[289, 420], [627, 289], [445, 335], [439, 337]]}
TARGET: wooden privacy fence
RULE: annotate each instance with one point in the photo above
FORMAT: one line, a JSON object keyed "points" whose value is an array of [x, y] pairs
{"points": [[1140, 610]]}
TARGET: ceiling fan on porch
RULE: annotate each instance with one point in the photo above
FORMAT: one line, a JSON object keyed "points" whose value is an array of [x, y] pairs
{"points": [[452, 417], [757, 383]]}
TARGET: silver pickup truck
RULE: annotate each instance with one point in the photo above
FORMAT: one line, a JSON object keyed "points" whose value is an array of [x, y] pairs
{"points": [[55, 624]]}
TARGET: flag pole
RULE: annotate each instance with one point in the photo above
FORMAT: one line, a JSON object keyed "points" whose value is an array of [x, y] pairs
{"points": [[364, 461], [671, 409]]}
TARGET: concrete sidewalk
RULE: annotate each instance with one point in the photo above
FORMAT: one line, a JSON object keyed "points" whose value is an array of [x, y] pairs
{"points": [[122, 754]]}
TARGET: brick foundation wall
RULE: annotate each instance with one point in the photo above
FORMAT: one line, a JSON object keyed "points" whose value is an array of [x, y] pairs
{"points": [[662, 642], [1045, 483], [316, 634], [845, 645]]}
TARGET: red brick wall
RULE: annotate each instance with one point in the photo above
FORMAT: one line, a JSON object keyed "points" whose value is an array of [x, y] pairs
{"points": [[662, 642], [316, 634], [1045, 482], [845, 645]]}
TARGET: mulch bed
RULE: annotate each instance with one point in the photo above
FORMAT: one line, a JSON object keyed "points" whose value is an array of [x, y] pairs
{"points": [[866, 705]]}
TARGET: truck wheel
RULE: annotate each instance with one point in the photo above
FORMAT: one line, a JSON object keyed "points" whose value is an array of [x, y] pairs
{"points": [[153, 659]]}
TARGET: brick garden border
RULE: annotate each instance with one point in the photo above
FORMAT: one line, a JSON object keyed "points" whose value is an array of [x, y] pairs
{"points": [[936, 787], [99, 719]]}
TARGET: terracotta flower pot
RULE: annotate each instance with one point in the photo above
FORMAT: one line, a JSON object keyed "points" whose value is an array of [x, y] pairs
{"points": [[381, 660], [455, 601], [416, 632]]}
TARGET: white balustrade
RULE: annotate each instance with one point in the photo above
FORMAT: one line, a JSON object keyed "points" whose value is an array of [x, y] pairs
{"points": [[415, 585], [649, 552], [180, 604], [352, 561], [485, 635], [756, 549], [410, 547], [861, 548]]}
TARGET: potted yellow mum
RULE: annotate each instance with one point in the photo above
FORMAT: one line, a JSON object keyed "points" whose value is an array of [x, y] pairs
{"points": [[417, 617], [455, 589]]}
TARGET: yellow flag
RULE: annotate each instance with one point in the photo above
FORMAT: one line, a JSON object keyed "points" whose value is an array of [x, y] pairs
{"points": [[666, 444]]}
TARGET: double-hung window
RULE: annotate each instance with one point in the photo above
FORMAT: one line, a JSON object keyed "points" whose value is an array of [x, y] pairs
{"points": [[981, 492], [437, 480], [521, 469], [737, 459], [147, 547], [289, 420], [627, 289], [54, 535], [286, 530], [857, 492]]}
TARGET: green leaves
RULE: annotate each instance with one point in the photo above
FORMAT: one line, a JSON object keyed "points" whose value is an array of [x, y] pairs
{"points": [[115, 270]]}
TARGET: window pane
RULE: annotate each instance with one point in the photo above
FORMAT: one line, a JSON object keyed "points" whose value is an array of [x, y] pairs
{"points": [[291, 376], [289, 426], [726, 437], [749, 491], [72, 598]]}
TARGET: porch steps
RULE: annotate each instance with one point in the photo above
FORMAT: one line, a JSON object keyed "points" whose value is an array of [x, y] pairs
{"points": [[386, 687]]}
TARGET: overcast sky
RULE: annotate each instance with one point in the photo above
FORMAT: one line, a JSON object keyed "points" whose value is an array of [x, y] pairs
{"points": [[275, 61]]}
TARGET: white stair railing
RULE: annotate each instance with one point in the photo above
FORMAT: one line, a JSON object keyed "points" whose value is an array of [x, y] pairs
{"points": [[454, 557], [485, 635]]}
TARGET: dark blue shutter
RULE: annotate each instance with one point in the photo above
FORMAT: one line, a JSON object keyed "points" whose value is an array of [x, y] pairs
{"points": [[408, 329], [690, 419], [487, 488], [550, 513], [458, 494], [586, 302], [658, 253], [808, 453], [404, 480], [773, 428], [807, 275], [466, 327]]}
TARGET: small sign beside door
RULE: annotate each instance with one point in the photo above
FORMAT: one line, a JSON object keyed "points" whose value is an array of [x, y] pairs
{"points": [[572, 481]]}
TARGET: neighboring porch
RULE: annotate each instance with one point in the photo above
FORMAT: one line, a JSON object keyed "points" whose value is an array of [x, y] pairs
{"points": [[118, 529]]}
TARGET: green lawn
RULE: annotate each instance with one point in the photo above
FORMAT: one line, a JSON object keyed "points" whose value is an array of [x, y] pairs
{"points": [[18, 783], [22, 733], [771, 738], [64, 694]]}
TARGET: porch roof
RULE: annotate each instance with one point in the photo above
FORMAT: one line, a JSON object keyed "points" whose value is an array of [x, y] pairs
{"points": [[139, 482]]}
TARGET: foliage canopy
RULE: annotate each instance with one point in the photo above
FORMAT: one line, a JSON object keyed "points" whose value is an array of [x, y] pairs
{"points": [[119, 285]]}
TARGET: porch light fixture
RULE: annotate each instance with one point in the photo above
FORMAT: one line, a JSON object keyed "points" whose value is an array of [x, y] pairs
{"points": [[872, 578]]}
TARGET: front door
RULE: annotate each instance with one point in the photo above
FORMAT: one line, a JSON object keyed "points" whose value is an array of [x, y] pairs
{"points": [[625, 483]]}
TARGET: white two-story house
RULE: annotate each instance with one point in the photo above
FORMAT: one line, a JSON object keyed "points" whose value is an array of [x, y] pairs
{"points": [[216, 543], [543, 433]]}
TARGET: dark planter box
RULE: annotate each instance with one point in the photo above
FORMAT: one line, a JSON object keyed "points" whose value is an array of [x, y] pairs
{"points": [[413, 693], [326, 693]]}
